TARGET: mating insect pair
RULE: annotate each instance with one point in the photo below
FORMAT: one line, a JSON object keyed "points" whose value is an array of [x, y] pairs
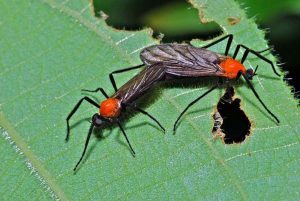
{"points": [[167, 62]]}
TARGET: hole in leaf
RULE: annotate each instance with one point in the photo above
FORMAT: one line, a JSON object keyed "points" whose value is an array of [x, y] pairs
{"points": [[230, 121]]}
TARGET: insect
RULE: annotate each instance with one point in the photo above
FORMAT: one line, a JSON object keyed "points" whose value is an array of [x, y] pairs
{"points": [[184, 60], [111, 108]]}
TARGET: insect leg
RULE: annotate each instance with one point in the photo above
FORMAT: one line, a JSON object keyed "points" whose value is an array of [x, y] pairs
{"points": [[75, 109], [111, 77], [257, 96], [123, 131], [85, 146], [145, 113], [96, 90], [267, 49], [248, 50], [192, 103], [238, 48], [229, 36]]}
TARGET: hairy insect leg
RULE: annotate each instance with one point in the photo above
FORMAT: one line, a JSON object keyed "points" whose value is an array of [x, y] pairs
{"points": [[75, 109], [123, 131], [145, 113], [248, 50], [257, 96], [236, 51], [111, 77], [96, 90], [85, 146], [264, 50], [192, 103], [229, 36]]}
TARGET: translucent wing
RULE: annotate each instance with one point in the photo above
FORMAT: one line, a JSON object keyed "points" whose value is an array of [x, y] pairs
{"points": [[140, 83], [183, 60]]}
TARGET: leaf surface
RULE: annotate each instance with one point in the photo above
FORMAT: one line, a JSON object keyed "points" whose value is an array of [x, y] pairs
{"points": [[50, 50]]}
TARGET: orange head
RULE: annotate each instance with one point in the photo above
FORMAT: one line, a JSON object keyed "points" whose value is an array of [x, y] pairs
{"points": [[232, 68], [110, 108]]}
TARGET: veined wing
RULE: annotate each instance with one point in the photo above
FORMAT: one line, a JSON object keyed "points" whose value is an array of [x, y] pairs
{"points": [[139, 83], [183, 60]]}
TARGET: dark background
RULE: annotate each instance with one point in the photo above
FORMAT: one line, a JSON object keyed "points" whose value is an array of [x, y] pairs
{"points": [[178, 21]]}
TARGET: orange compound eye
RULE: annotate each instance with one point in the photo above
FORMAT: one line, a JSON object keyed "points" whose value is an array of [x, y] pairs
{"points": [[232, 67], [110, 108]]}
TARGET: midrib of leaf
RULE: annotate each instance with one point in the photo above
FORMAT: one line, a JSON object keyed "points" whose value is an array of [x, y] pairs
{"points": [[42, 171]]}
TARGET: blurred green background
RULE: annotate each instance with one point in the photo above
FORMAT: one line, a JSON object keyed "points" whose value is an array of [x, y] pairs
{"points": [[178, 21]]}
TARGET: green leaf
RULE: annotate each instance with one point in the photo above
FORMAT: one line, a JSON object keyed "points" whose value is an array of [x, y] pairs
{"points": [[52, 49]]}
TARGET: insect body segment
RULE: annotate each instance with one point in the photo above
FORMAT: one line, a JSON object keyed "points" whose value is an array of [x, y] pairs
{"points": [[110, 108], [232, 68]]}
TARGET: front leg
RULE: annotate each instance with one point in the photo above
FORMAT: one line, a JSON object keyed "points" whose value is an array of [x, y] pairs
{"points": [[74, 111]]}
